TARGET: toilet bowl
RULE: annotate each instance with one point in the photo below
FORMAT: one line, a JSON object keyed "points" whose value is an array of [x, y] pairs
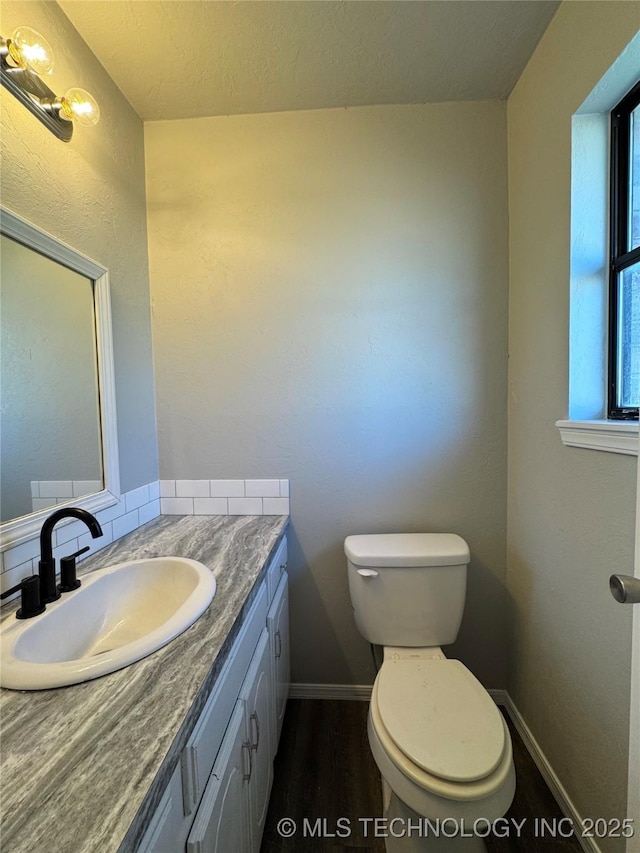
{"points": [[441, 744]]}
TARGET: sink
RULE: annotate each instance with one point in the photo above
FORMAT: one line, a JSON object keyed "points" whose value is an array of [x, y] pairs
{"points": [[119, 615]]}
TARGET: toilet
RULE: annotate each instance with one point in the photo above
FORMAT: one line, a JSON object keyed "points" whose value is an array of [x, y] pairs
{"points": [[440, 743]]}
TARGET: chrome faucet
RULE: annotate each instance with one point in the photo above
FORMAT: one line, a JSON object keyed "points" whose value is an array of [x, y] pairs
{"points": [[47, 564]]}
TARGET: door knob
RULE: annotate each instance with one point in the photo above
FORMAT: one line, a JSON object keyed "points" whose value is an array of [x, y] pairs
{"points": [[625, 589]]}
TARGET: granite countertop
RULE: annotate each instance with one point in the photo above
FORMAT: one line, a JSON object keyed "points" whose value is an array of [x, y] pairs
{"points": [[83, 767]]}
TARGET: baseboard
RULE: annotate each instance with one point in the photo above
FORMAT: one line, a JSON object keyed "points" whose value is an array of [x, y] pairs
{"points": [[358, 692], [498, 696], [555, 785]]}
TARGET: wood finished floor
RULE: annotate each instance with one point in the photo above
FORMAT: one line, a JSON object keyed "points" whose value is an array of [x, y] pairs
{"points": [[324, 769]]}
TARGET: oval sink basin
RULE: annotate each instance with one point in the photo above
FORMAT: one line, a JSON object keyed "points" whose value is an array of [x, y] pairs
{"points": [[119, 615]]}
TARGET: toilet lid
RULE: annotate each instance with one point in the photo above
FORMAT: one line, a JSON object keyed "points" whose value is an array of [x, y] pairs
{"points": [[441, 717]]}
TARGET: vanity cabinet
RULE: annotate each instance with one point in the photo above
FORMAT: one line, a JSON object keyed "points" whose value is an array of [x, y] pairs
{"points": [[257, 695], [276, 568], [222, 822], [167, 830], [217, 798], [278, 624]]}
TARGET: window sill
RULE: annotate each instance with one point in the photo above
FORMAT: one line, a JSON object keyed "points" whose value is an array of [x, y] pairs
{"points": [[610, 436]]}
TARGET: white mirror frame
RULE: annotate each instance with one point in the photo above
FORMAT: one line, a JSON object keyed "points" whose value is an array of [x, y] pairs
{"points": [[26, 527]]}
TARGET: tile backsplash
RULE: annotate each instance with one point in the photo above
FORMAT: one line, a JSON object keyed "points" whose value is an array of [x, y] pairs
{"points": [[224, 497], [137, 507], [48, 493]]}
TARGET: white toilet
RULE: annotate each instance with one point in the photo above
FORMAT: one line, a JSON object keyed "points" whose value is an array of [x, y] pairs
{"points": [[440, 742]]}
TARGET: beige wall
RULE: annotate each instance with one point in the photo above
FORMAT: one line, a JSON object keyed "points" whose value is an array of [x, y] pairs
{"points": [[571, 511], [90, 193], [330, 304]]}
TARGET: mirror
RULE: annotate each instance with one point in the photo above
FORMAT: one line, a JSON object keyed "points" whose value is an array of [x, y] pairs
{"points": [[50, 445], [58, 440]]}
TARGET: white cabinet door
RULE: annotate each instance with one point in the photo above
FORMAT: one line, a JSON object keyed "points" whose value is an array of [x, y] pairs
{"points": [[168, 828], [206, 739], [278, 624], [256, 694], [221, 824], [276, 567]]}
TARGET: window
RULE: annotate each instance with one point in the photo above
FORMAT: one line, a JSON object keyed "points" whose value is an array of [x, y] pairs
{"points": [[624, 286], [590, 422]]}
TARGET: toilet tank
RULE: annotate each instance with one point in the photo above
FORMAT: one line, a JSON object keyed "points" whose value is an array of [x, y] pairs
{"points": [[408, 589]]}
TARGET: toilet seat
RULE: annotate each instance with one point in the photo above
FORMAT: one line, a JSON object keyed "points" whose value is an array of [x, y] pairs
{"points": [[444, 789], [434, 798], [440, 716]]}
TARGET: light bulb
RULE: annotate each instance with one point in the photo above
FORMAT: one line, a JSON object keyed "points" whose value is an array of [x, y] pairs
{"points": [[28, 49], [79, 106]]}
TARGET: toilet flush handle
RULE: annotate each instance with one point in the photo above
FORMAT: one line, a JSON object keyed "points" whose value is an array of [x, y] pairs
{"points": [[368, 573]]}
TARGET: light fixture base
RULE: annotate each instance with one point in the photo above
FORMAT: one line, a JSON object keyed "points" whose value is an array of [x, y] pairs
{"points": [[36, 96]]}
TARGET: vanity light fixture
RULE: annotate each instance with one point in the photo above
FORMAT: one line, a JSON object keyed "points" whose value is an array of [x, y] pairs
{"points": [[28, 49], [24, 59]]}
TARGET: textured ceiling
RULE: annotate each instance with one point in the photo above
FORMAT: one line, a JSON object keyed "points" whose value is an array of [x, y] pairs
{"points": [[202, 58]]}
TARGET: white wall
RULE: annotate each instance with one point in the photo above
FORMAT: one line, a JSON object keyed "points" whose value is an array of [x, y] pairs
{"points": [[571, 511], [330, 301], [90, 193]]}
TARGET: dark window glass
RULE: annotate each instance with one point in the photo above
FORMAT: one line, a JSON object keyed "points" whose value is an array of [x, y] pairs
{"points": [[634, 180], [624, 294]]}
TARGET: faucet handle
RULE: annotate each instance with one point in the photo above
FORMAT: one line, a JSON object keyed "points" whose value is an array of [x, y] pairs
{"points": [[68, 579], [30, 600]]}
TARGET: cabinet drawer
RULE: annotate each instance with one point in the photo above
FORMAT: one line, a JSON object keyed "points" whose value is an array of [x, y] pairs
{"points": [[276, 568], [203, 745]]}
